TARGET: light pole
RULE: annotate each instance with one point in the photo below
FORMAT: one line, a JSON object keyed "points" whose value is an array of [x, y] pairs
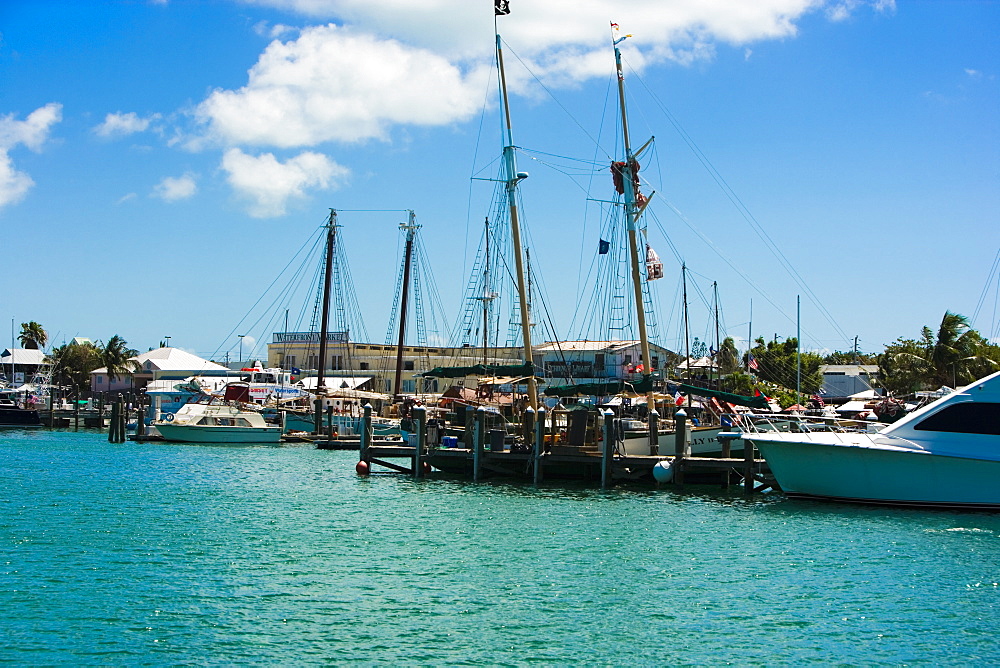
{"points": [[241, 347]]}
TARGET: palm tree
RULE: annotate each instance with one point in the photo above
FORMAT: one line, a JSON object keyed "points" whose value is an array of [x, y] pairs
{"points": [[33, 335], [115, 356], [956, 356]]}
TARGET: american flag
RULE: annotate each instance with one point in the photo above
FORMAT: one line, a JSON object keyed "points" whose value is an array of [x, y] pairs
{"points": [[752, 362]]}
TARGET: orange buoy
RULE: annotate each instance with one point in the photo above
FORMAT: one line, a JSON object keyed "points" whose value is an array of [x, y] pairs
{"points": [[427, 467], [362, 468]]}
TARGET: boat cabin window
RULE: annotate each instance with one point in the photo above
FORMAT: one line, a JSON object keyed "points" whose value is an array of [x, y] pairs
{"points": [[969, 418]]}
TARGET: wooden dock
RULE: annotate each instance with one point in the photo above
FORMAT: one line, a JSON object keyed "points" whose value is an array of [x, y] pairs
{"points": [[536, 463]]}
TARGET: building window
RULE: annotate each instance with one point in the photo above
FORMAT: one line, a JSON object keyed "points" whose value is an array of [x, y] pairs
{"points": [[408, 366], [290, 361], [363, 366]]}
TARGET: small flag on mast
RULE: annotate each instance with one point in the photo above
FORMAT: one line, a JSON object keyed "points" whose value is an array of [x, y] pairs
{"points": [[603, 247], [502, 7]]}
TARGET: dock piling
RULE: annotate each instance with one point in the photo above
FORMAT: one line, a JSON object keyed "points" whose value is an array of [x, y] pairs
{"points": [[654, 435], [681, 445], [419, 415], [539, 444], [608, 447], [367, 433], [479, 439]]}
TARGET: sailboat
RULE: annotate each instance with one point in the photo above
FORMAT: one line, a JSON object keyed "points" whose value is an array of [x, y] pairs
{"points": [[645, 437]]}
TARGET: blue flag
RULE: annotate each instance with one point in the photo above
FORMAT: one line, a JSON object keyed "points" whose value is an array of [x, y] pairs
{"points": [[603, 247]]}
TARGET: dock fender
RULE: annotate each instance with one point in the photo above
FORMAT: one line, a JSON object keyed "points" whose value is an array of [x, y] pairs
{"points": [[663, 471]]}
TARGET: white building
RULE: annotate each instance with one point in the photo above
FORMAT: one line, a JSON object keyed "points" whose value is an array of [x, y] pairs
{"points": [[159, 364]]}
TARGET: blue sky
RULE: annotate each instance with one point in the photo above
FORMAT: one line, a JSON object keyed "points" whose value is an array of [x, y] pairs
{"points": [[161, 162]]}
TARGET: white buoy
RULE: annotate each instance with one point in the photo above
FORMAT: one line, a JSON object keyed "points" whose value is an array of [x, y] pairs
{"points": [[663, 471]]}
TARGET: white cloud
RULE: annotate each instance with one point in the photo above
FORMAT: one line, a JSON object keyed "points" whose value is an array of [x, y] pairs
{"points": [[269, 184], [121, 125], [172, 189], [128, 197], [334, 84], [389, 63], [32, 133], [840, 10]]}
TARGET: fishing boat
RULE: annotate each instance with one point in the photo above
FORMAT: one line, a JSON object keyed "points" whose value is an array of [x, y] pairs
{"points": [[210, 419], [13, 414], [946, 454]]}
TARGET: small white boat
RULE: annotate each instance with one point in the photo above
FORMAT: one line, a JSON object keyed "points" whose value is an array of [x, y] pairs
{"points": [[945, 454], [217, 421]]}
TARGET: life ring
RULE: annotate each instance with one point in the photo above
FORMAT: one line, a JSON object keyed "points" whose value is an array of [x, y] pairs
{"points": [[169, 417]]}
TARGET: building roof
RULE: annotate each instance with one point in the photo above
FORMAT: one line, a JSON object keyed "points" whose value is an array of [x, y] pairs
{"points": [[22, 356], [171, 359], [598, 346], [850, 369]]}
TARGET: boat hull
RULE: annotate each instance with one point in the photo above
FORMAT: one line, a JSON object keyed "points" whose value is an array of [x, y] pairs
{"points": [[861, 474], [182, 433], [19, 417]]}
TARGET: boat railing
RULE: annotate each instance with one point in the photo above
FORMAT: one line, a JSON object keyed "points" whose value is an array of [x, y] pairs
{"points": [[797, 423]]}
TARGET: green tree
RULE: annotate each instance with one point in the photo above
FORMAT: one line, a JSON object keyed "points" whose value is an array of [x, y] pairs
{"points": [[73, 362], [115, 356], [33, 335], [956, 356], [728, 357], [777, 364], [850, 357]]}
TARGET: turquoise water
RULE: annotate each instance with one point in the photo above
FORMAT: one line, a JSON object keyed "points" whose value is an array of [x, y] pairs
{"points": [[183, 554]]}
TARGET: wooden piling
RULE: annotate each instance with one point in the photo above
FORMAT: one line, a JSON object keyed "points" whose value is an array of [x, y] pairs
{"points": [[608, 448], [419, 415], [539, 445], [680, 445], [748, 463], [367, 433], [479, 438], [654, 435]]}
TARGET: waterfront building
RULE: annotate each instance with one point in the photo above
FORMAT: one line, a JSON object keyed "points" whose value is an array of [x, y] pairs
{"points": [[170, 364], [20, 365]]}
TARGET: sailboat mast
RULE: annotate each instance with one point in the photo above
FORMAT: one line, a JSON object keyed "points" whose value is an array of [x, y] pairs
{"points": [[411, 230], [717, 356], [486, 297], [687, 325], [632, 213], [331, 228], [513, 178]]}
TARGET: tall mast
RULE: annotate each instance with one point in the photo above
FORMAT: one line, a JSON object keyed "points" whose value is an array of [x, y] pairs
{"points": [[331, 228], [411, 228], [513, 178], [486, 297], [632, 213], [687, 325], [717, 356]]}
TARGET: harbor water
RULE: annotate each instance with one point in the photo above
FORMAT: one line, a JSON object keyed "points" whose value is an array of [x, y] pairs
{"points": [[155, 553]]}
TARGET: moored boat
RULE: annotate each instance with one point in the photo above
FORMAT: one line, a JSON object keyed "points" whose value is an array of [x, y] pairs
{"points": [[945, 454], [13, 414], [211, 420]]}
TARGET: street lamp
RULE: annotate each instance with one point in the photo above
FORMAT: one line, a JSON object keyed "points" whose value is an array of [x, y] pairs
{"points": [[241, 347]]}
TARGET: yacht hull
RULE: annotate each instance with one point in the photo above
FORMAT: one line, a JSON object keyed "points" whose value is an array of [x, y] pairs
{"points": [[860, 474], [182, 433]]}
